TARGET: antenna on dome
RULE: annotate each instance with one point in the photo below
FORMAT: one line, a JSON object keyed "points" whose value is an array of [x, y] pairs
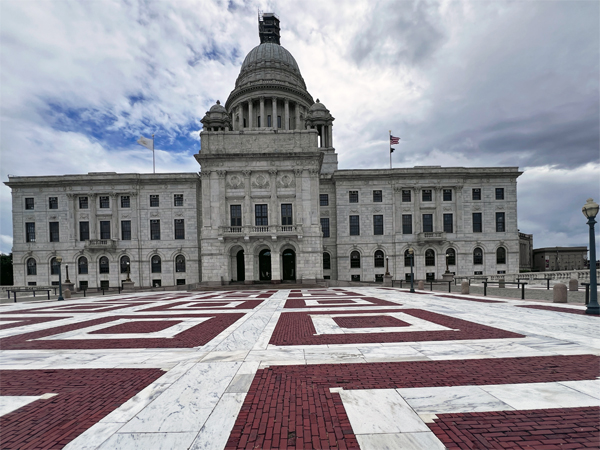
{"points": [[268, 28]]}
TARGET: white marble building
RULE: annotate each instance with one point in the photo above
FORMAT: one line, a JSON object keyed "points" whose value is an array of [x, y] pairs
{"points": [[269, 204]]}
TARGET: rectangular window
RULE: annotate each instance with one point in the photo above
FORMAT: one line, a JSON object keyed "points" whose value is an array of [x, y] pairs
{"points": [[406, 223], [355, 277], [84, 231], [324, 199], [268, 120], [235, 212], [426, 195], [180, 281], [30, 232], [377, 196], [278, 121], [286, 214], [477, 223], [476, 194], [54, 236], [52, 202], [378, 224], [29, 203], [178, 200], [353, 196], [325, 226], [258, 121], [447, 195], [104, 202], [179, 229], [154, 201], [427, 223], [379, 278], [83, 203], [125, 201], [499, 193], [105, 229], [261, 215], [31, 283], [125, 230], [354, 226], [500, 222], [406, 195], [155, 229], [448, 227], [83, 285]]}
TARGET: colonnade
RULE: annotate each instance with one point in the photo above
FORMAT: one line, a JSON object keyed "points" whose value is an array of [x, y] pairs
{"points": [[245, 117]]}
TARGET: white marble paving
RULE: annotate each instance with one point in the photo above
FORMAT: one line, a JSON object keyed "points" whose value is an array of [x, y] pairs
{"points": [[403, 441], [324, 324], [145, 441], [215, 432], [9, 404]]}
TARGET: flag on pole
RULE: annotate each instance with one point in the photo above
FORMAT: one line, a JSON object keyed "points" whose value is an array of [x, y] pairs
{"points": [[148, 143], [394, 140], [392, 150]]}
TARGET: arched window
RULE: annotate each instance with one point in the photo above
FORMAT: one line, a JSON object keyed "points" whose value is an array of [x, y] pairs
{"points": [[54, 267], [429, 257], [501, 255], [408, 258], [451, 254], [31, 267], [156, 264], [378, 259], [355, 260], [103, 265], [477, 256], [82, 265], [125, 262], [326, 261], [180, 263]]}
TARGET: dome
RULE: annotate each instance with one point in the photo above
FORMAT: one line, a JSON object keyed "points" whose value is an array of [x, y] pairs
{"points": [[317, 106], [218, 108], [268, 54]]}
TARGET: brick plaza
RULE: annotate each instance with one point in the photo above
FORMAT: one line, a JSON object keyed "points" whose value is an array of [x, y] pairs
{"points": [[341, 368]]}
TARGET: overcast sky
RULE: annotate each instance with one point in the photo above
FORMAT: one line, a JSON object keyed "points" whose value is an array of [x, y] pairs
{"points": [[463, 83]]}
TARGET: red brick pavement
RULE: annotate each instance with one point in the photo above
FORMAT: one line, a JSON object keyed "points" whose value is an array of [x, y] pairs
{"points": [[84, 397], [558, 308], [138, 327], [338, 302], [292, 407], [21, 321], [369, 322], [249, 304]]}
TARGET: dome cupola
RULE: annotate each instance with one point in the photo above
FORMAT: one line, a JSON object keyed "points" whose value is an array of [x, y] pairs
{"points": [[216, 118]]}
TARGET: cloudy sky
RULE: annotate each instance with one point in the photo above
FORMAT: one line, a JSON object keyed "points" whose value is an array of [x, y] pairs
{"points": [[464, 83]]}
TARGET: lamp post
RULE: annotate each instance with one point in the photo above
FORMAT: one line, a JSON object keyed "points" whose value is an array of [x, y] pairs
{"points": [[387, 266], [60, 296], [128, 279], [411, 252], [590, 210], [67, 277], [447, 256]]}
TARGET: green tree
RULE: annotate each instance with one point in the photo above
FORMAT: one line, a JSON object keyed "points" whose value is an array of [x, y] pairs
{"points": [[6, 270]]}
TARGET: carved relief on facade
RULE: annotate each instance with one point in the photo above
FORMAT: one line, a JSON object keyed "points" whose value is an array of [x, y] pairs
{"points": [[235, 182], [286, 180], [261, 181]]}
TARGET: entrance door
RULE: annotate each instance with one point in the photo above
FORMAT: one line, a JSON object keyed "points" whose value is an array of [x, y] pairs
{"points": [[264, 265], [289, 265], [241, 267]]}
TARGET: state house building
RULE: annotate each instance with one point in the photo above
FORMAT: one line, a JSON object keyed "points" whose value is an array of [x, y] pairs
{"points": [[268, 204]]}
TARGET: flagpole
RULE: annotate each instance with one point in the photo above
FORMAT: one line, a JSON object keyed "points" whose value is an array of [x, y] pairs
{"points": [[153, 160], [390, 139]]}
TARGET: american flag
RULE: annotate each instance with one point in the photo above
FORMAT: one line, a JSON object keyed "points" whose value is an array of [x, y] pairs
{"points": [[394, 140]]}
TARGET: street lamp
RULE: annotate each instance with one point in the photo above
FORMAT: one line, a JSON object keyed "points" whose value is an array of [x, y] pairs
{"points": [[128, 279], [60, 296], [67, 277], [387, 266], [411, 252], [447, 257], [590, 210]]}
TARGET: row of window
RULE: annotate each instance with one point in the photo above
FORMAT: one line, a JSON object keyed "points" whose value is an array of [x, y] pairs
{"points": [[104, 201], [104, 265], [261, 215]]}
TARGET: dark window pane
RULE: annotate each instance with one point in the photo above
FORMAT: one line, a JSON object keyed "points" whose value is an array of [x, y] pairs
{"points": [[378, 259], [54, 267], [448, 227], [500, 222], [155, 229], [31, 267], [180, 263], [278, 121], [325, 226], [499, 193], [501, 255], [261, 215], [235, 212], [105, 229], [156, 264], [53, 202], [82, 265], [477, 256], [179, 229], [154, 201], [54, 236], [125, 201], [326, 261], [427, 223], [30, 232], [268, 120], [377, 196], [355, 260], [324, 199], [354, 226], [429, 258], [353, 196], [477, 223], [103, 265], [104, 202], [408, 258], [83, 203], [126, 230], [125, 263], [84, 231], [407, 224], [378, 224], [178, 200], [476, 194], [427, 196], [447, 195], [406, 196], [451, 256], [286, 214], [29, 203]]}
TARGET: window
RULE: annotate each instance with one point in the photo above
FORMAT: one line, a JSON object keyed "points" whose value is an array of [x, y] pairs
{"points": [[54, 267], [258, 122], [354, 226], [83, 285], [426, 195], [427, 223], [325, 226], [177, 199], [154, 201], [31, 267], [180, 281], [499, 193], [268, 120], [477, 256], [406, 223], [377, 196], [355, 277], [84, 231], [179, 229], [180, 263], [155, 229], [407, 277], [105, 229], [324, 199], [355, 260], [448, 227], [29, 203], [286, 214], [430, 276], [54, 235], [500, 222], [83, 203], [353, 196], [103, 265], [125, 201], [124, 263], [408, 258], [261, 215], [52, 202], [476, 194], [429, 257], [379, 278], [278, 121], [378, 224], [30, 232], [477, 225], [82, 265], [451, 257], [104, 202], [125, 230], [378, 260], [406, 196], [501, 255], [447, 195], [156, 264], [326, 261], [235, 212]]}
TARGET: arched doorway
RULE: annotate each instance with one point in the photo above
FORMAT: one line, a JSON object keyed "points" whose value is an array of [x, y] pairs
{"points": [[264, 265], [289, 265], [241, 268]]}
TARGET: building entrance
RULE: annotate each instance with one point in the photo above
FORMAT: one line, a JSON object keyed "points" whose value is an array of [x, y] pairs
{"points": [[264, 265], [289, 265], [241, 268]]}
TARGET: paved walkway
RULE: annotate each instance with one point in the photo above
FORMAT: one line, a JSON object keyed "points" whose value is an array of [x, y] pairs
{"points": [[344, 368]]}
